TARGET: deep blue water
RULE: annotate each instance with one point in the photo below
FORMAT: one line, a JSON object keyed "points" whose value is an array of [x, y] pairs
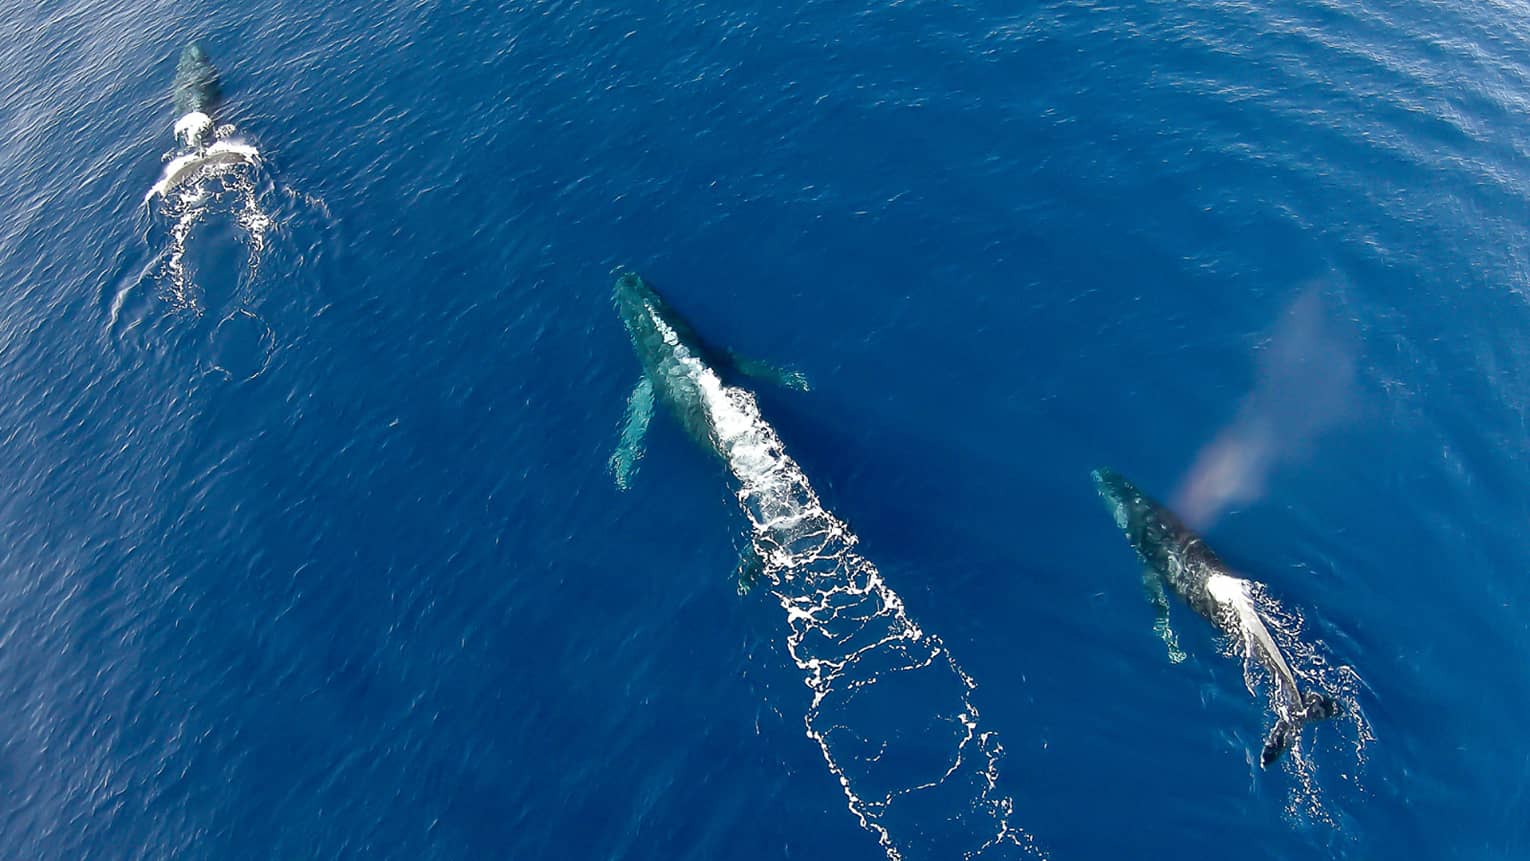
{"points": [[322, 557]]}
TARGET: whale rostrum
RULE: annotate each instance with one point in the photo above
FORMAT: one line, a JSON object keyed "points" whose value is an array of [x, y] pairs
{"points": [[196, 87]]}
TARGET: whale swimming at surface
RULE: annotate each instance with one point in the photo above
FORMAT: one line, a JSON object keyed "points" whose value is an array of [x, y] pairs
{"points": [[196, 89], [674, 358], [891, 710], [1176, 557], [679, 370], [196, 94]]}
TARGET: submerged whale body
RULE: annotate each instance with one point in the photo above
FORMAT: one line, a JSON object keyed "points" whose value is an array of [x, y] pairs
{"points": [[1177, 557], [196, 87]]}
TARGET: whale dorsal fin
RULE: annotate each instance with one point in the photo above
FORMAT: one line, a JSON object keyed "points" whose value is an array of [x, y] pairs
{"points": [[786, 378], [624, 461], [1158, 596]]}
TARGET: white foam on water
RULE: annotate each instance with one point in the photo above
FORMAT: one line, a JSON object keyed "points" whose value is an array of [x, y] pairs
{"points": [[1309, 665], [190, 128], [192, 182], [891, 710], [1227, 590]]}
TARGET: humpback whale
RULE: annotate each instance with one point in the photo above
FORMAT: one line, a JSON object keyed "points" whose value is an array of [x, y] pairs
{"points": [[672, 355], [196, 94], [1176, 557], [677, 368], [891, 710]]}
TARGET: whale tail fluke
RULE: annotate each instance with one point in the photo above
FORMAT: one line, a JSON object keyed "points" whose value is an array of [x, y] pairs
{"points": [[1319, 706], [1315, 706]]}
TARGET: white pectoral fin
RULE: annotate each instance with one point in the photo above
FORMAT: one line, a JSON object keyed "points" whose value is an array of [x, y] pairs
{"points": [[1158, 596], [624, 461]]}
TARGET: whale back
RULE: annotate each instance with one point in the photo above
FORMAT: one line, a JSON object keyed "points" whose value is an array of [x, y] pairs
{"points": [[1164, 543], [196, 87]]}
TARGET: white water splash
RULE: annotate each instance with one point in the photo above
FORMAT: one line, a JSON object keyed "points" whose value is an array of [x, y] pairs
{"points": [[1313, 671], [891, 710], [193, 183]]}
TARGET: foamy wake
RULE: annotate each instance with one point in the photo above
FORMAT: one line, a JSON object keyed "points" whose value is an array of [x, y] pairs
{"points": [[192, 184], [1313, 671], [891, 710]]}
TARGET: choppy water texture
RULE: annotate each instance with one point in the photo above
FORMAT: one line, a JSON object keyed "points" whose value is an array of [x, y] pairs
{"points": [[327, 562]]}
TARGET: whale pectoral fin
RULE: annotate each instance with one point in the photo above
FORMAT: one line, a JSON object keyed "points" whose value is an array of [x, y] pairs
{"points": [[750, 569], [1158, 596], [624, 461], [786, 378]]}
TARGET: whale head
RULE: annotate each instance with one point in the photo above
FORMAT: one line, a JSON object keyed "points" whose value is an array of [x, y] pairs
{"points": [[1154, 531], [672, 354], [658, 332], [636, 303], [1121, 496], [195, 54], [196, 87]]}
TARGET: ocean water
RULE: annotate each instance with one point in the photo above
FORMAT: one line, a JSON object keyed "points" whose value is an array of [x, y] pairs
{"points": [[309, 547]]}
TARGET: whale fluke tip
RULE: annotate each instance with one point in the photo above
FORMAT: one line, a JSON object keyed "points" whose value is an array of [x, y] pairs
{"points": [[1320, 706]]}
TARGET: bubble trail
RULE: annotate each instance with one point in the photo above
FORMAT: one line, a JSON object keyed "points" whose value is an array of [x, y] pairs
{"points": [[891, 709], [192, 183]]}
